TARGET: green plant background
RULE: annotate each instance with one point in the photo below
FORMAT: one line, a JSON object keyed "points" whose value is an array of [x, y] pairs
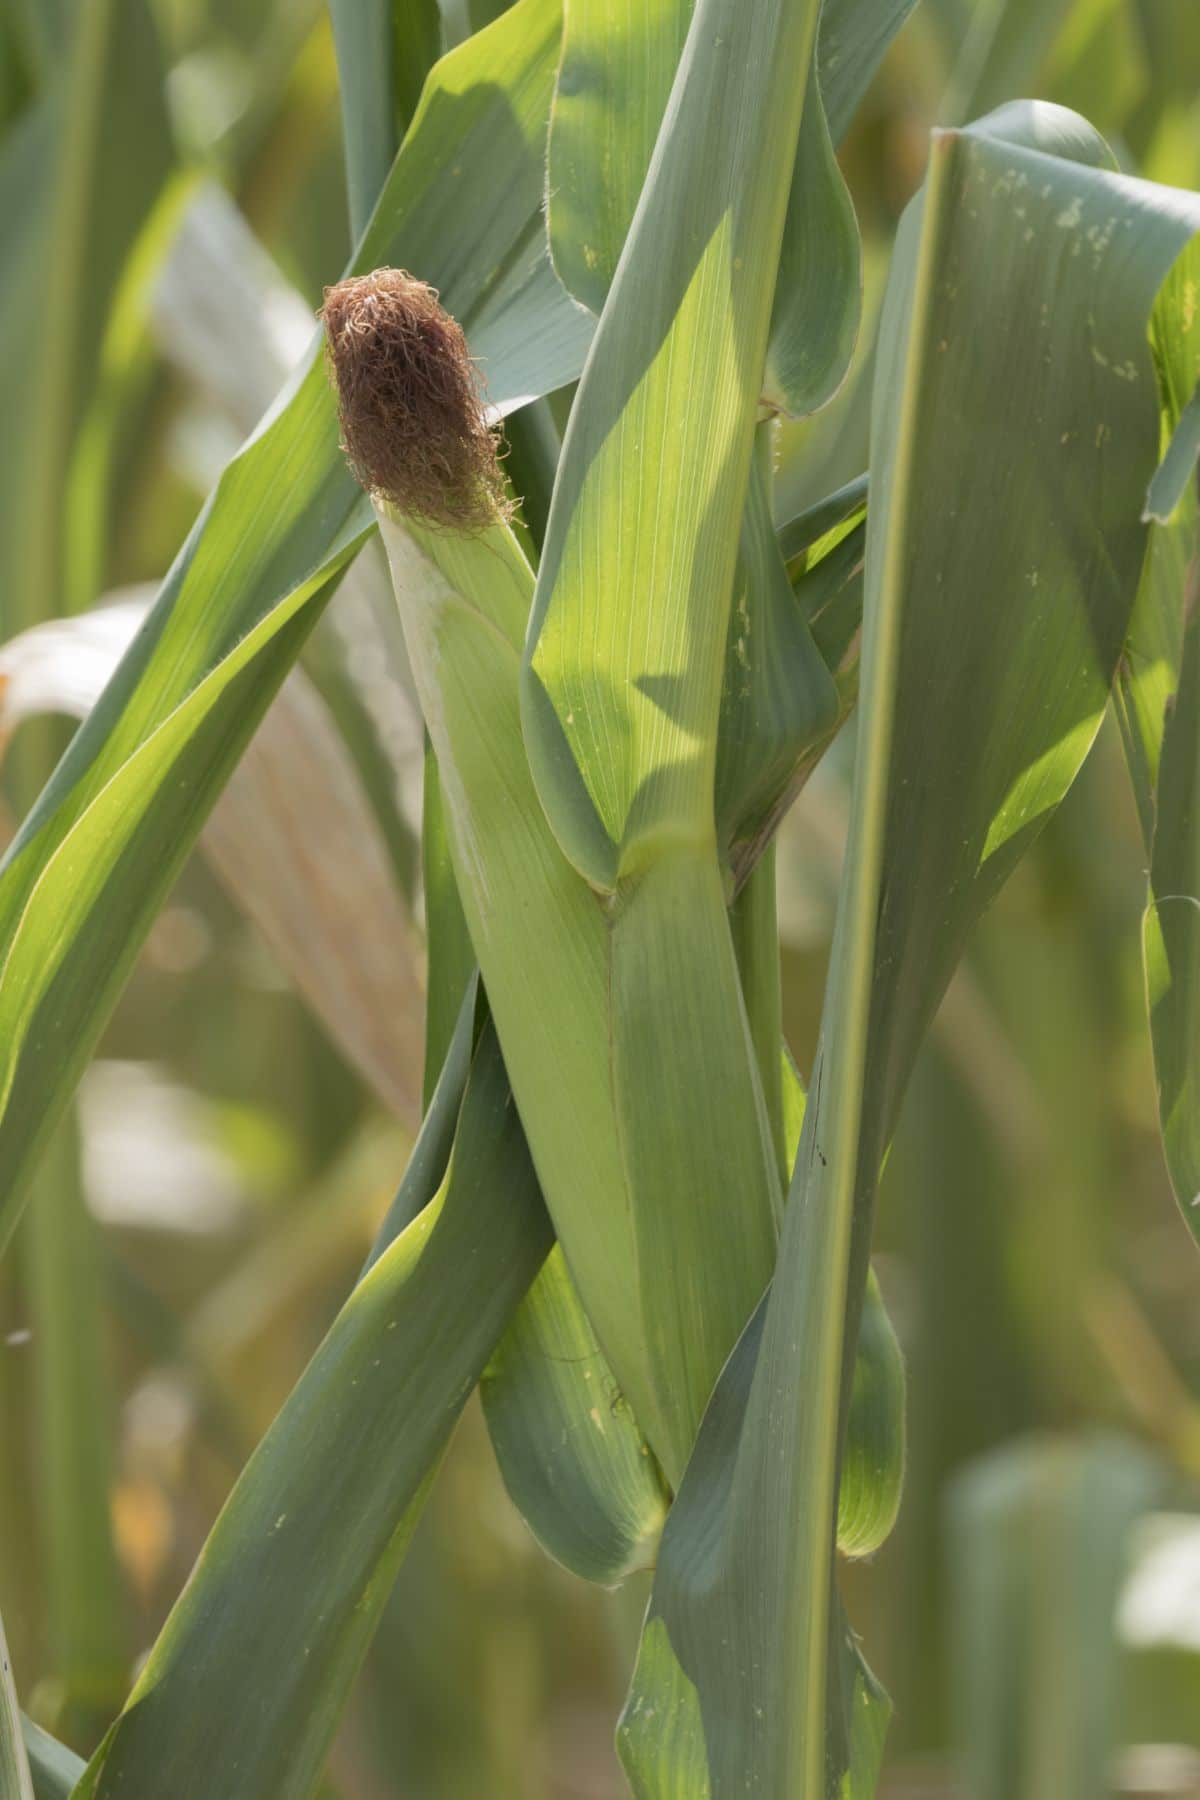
{"points": [[200, 1219]]}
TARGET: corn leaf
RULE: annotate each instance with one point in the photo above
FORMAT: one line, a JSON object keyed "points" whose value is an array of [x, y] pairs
{"points": [[304, 1552], [618, 67], [1003, 658], [296, 781], [778, 699], [1156, 700], [1039, 1543], [255, 573], [15, 1783], [385, 48], [872, 1471], [622, 683], [53, 1768], [626, 646], [573, 1459], [77, 184]]}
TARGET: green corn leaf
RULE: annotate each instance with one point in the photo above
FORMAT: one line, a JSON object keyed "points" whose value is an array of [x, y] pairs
{"points": [[77, 184], [872, 1471], [302, 1558], [1003, 652], [854, 38], [621, 692], [778, 699], [1156, 700], [809, 537], [1171, 928], [385, 49], [616, 76], [754, 927], [53, 1768], [89, 1624], [1039, 1541], [573, 1460], [255, 573], [622, 684], [15, 1782]]}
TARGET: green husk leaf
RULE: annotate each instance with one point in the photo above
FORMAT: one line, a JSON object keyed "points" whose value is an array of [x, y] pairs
{"points": [[595, 1127], [573, 1460], [1156, 701]]}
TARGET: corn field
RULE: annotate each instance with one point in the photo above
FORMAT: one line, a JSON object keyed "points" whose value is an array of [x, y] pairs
{"points": [[600, 928]]}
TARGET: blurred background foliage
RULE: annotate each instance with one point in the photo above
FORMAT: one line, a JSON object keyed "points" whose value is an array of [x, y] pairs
{"points": [[246, 1122]]}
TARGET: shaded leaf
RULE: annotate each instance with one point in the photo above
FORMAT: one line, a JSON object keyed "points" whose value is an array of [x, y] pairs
{"points": [[306, 1547], [256, 572], [986, 671]]}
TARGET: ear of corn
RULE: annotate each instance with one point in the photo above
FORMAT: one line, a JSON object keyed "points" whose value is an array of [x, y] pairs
{"points": [[622, 685], [614, 744], [1005, 668]]}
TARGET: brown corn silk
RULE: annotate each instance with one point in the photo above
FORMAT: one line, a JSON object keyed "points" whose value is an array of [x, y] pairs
{"points": [[410, 404]]}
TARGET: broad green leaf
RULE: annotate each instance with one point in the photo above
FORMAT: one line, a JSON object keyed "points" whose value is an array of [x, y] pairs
{"points": [[1039, 1537], [78, 181], [669, 1739], [872, 1469], [573, 1460], [15, 1783], [806, 539], [624, 1163], [1156, 701], [385, 48], [872, 1472], [1002, 54], [255, 573], [76, 1411], [987, 664], [621, 691], [754, 927], [624, 665], [337, 925], [854, 37], [1171, 928], [242, 1691], [1178, 466], [778, 699], [619, 63], [53, 1768]]}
